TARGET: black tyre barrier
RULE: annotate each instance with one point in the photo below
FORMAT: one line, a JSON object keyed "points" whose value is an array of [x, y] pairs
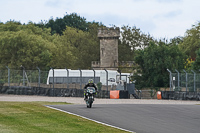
{"points": [[123, 94], [180, 95], [57, 92]]}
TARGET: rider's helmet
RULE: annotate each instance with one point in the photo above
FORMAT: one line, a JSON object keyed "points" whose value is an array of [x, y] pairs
{"points": [[90, 81]]}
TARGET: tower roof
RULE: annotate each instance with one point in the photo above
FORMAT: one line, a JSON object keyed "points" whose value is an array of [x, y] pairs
{"points": [[109, 32]]}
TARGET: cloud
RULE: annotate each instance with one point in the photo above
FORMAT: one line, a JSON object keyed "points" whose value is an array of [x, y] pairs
{"points": [[53, 3], [173, 14], [168, 14], [158, 17], [168, 1]]}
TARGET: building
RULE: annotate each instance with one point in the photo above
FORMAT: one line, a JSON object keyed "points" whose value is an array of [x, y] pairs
{"points": [[108, 49], [62, 76]]}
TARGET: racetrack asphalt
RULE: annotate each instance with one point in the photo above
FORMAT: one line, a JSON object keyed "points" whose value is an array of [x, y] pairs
{"points": [[138, 115], [142, 118]]}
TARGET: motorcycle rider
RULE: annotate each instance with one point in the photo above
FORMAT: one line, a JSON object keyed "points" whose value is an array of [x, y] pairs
{"points": [[89, 84]]}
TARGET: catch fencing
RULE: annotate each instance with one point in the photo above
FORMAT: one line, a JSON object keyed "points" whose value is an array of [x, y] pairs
{"points": [[34, 82], [183, 85], [28, 78], [184, 81]]}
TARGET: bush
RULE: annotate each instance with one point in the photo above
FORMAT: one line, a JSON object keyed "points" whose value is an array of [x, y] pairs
{"points": [[1, 85], [99, 85]]}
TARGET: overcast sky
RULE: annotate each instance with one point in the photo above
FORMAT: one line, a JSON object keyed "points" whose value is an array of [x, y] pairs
{"points": [[160, 18]]}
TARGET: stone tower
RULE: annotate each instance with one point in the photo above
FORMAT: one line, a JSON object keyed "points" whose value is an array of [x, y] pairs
{"points": [[108, 49]]}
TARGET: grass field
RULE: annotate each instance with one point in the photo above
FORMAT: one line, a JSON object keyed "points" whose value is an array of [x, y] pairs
{"points": [[34, 117]]}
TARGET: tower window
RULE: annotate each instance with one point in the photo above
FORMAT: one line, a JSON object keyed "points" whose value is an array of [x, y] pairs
{"points": [[102, 51]]}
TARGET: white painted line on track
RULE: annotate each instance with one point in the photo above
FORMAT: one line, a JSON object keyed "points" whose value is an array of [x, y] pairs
{"points": [[91, 119]]}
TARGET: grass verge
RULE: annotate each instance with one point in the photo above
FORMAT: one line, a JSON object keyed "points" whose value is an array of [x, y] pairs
{"points": [[34, 117]]}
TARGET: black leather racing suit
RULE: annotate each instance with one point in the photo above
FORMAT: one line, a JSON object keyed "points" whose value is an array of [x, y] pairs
{"points": [[89, 85]]}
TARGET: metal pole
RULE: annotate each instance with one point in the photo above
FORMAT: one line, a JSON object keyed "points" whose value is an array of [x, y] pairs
{"points": [[119, 74], [53, 81], [23, 74], [8, 75], [178, 80], [53, 78], [94, 74], [186, 80], [38, 77], [106, 80], [80, 78], [170, 78], [67, 78], [23, 77], [194, 80], [126, 82]]}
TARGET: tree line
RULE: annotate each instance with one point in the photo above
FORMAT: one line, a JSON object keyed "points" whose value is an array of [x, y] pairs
{"points": [[72, 42]]}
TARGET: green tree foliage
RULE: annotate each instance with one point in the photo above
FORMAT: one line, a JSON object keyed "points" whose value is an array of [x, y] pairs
{"points": [[86, 48], [125, 52], [176, 40], [76, 21], [195, 65], [130, 40], [10, 26], [34, 45], [25, 45], [153, 62], [62, 54], [58, 25], [191, 41]]}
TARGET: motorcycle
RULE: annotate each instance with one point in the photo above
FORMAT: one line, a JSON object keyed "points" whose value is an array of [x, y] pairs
{"points": [[90, 92]]}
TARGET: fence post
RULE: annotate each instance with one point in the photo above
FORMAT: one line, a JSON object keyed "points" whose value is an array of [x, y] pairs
{"points": [[120, 74], [23, 74], [67, 78], [186, 79], [170, 78], [194, 80], [80, 78], [38, 77], [106, 80], [53, 82], [8, 75], [178, 79], [94, 74]]}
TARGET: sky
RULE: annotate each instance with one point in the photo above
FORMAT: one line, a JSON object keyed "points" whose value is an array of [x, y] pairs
{"points": [[159, 18]]}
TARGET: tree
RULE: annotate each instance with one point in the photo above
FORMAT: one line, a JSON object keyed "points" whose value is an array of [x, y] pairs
{"points": [[71, 20], [191, 41], [76, 21], [176, 40], [195, 65], [130, 40], [25, 45], [134, 37], [125, 52], [63, 54], [10, 26], [153, 62], [85, 47]]}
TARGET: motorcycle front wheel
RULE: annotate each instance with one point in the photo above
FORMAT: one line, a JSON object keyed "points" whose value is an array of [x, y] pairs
{"points": [[89, 103]]}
